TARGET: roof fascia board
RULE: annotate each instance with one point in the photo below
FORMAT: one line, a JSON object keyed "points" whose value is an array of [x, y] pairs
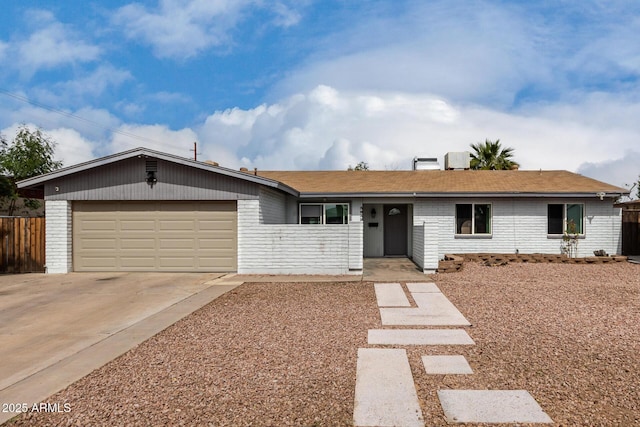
{"points": [[142, 152], [466, 195]]}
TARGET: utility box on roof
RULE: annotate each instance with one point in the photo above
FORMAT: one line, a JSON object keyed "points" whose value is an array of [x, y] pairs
{"points": [[457, 160]]}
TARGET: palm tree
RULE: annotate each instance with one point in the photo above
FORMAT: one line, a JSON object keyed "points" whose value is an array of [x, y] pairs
{"points": [[489, 155]]}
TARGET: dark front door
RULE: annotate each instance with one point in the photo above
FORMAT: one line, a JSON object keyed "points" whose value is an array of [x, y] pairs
{"points": [[395, 230]]}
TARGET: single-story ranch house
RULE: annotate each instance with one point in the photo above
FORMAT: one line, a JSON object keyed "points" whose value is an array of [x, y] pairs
{"points": [[143, 210]]}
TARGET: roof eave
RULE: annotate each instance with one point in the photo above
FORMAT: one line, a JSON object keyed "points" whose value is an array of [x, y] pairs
{"points": [[311, 195]]}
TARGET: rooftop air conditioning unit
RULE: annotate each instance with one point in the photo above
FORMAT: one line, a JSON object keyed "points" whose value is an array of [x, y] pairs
{"points": [[425, 163], [458, 160]]}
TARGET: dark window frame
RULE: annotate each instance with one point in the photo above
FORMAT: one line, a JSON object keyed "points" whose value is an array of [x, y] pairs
{"points": [[557, 226], [470, 212]]}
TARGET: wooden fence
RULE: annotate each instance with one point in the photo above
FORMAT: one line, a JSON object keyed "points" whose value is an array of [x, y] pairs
{"points": [[631, 232], [22, 245]]}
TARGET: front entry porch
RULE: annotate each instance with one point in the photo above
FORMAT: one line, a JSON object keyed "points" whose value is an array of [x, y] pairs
{"points": [[399, 269]]}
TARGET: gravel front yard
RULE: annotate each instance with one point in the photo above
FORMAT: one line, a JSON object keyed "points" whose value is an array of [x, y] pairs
{"points": [[285, 354]]}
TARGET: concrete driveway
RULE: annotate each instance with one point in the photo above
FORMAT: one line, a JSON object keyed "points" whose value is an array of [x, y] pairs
{"points": [[54, 329]]}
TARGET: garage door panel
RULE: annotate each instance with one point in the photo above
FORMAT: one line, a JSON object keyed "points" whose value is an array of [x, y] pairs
{"points": [[176, 261], [177, 243], [99, 225], [155, 236], [100, 262], [136, 262], [219, 225], [218, 243], [174, 225], [137, 225], [129, 243], [217, 262], [110, 243]]}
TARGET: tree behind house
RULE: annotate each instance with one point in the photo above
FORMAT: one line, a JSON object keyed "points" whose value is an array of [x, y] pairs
{"points": [[29, 154], [490, 155], [362, 166]]}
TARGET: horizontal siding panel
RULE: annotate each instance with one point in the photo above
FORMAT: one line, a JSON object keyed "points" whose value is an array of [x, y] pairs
{"points": [[126, 180]]}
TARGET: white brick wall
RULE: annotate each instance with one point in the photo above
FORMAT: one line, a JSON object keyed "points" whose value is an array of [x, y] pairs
{"points": [[58, 236], [425, 245], [521, 224], [356, 233], [418, 245], [294, 248], [431, 246]]}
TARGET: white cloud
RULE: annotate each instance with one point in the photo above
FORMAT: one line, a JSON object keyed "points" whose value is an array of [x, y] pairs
{"points": [[173, 31], [182, 29], [285, 16], [93, 124], [51, 45], [472, 51], [157, 137], [330, 129], [90, 86], [70, 146], [623, 171]]}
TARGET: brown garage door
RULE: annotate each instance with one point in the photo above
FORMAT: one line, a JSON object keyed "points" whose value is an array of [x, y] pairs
{"points": [[155, 236]]}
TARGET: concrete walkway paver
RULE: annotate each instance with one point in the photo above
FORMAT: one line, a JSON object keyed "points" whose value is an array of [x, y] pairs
{"points": [[491, 406], [460, 406], [385, 393], [446, 364], [419, 337], [391, 295], [422, 287], [419, 317]]}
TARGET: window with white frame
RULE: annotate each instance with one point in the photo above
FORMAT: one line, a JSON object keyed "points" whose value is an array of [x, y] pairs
{"points": [[324, 213], [567, 217], [473, 218]]}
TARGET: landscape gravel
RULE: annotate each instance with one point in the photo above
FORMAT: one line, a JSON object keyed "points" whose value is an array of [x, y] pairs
{"points": [[279, 354]]}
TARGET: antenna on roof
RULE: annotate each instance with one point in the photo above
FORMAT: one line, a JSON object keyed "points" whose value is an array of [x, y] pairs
{"points": [[195, 151]]}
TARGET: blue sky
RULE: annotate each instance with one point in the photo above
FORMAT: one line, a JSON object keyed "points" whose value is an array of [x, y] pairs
{"points": [[307, 84]]}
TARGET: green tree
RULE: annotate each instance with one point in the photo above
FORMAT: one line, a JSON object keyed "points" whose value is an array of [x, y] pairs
{"points": [[29, 154], [6, 185], [490, 155], [362, 166]]}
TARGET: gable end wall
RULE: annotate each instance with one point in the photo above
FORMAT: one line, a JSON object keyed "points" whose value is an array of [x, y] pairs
{"points": [[126, 180]]}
